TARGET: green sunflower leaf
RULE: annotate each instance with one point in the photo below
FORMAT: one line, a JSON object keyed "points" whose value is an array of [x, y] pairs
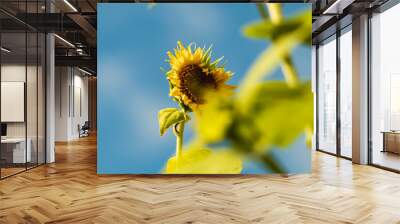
{"points": [[215, 118], [273, 115], [205, 161], [275, 54], [279, 114], [267, 29], [170, 116]]}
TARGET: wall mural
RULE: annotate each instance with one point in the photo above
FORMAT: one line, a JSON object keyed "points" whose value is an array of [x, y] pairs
{"points": [[218, 88]]}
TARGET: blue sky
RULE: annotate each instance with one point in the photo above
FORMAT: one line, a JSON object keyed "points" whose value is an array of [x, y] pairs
{"points": [[132, 44]]}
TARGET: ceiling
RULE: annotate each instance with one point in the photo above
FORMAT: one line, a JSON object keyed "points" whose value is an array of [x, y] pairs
{"points": [[332, 15], [74, 22]]}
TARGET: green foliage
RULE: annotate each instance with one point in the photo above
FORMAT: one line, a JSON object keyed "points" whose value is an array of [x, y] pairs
{"points": [[204, 161], [273, 115], [278, 114], [268, 30], [170, 116], [218, 111], [271, 57]]}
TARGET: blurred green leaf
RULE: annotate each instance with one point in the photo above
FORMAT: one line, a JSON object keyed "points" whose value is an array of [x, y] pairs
{"points": [[309, 136], [215, 118], [279, 114], [204, 161], [273, 115], [271, 57], [170, 116], [267, 29]]}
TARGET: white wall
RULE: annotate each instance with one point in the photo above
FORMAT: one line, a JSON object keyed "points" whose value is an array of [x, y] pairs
{"points": [[33, 127], [12, 73], [79, 117], [62, 82], [70, 83]]}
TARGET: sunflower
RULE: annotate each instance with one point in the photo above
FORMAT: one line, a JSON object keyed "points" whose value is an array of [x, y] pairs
{"points": [[192, 75]]}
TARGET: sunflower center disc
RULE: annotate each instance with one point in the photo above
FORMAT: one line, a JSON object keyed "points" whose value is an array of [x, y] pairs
{"points": [[195, 82]]}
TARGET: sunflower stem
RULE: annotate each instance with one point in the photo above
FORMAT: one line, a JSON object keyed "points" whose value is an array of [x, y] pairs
{"points": [[275, 12], [270, 162], [262, 10], [289, 71], [178, 130]]}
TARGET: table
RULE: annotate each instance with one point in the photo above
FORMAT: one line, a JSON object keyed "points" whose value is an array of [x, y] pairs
{"points": [[391, 141], [13, 150]]}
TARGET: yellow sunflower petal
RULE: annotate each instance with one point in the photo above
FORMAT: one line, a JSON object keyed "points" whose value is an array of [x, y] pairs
{"points": [[175, 92], [182, 76]]}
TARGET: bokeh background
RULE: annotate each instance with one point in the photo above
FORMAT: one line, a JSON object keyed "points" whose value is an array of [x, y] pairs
{"points": [[132, 43]]}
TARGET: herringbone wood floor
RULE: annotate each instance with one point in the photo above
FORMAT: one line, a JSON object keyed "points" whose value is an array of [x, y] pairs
{"points": [[70, 191]]}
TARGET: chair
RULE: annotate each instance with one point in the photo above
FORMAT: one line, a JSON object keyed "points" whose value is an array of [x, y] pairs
{"points": [[84, 130]]}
